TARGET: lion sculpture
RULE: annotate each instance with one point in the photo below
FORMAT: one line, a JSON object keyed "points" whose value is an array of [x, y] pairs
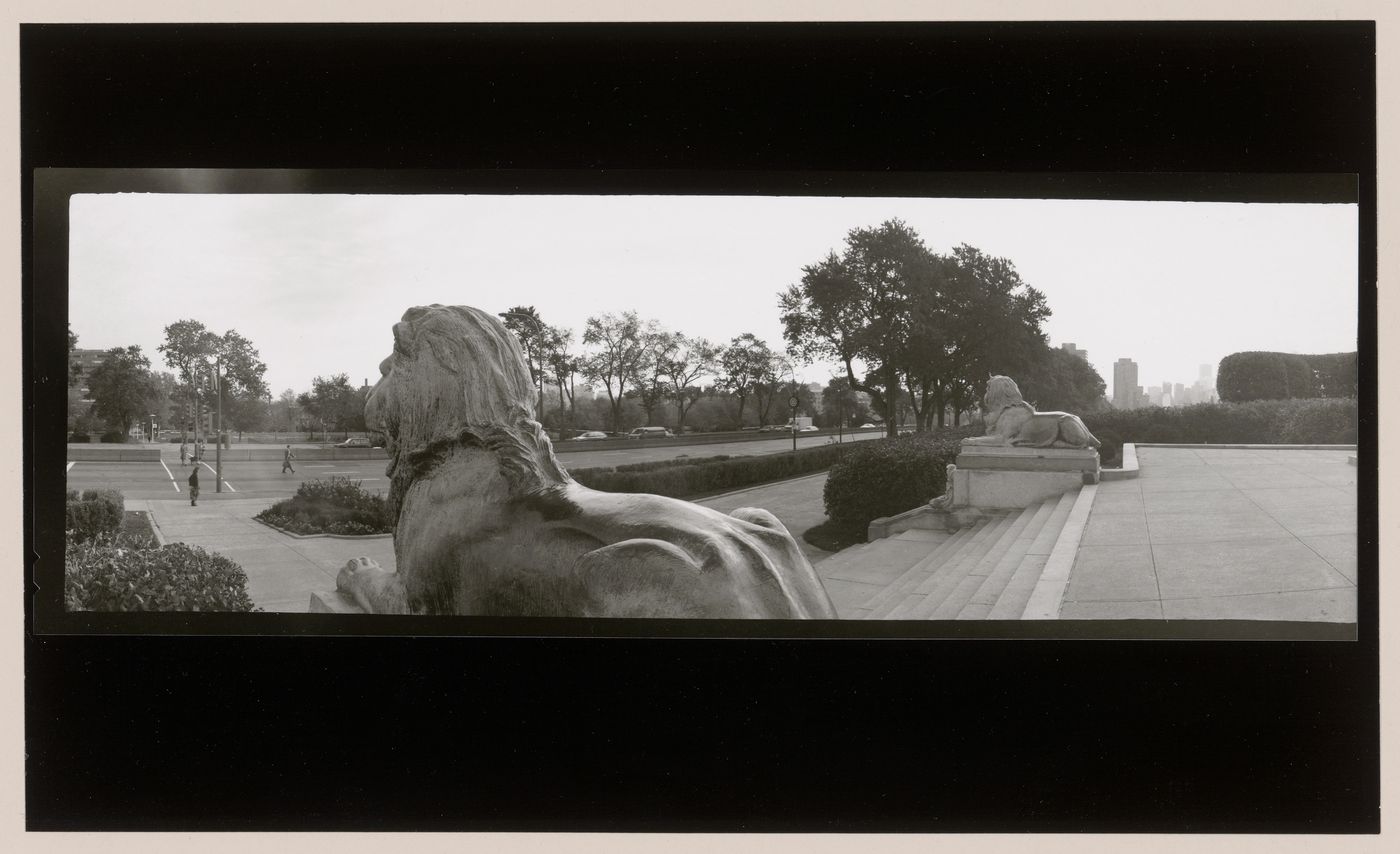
{"points": [[1012, 421], [490, 524]]}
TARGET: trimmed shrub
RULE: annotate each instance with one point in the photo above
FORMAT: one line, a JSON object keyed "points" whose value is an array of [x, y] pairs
{"points": [[79, 437], [1110, 447], [685, 478], [889, 476], [1321, 422], [114, 437], [1256, 375], [112, 574], [1336, 374], [335, 506], [92, 514], [1257, 422]]}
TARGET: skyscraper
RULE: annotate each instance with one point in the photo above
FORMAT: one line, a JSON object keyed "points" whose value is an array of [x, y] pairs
{"points": [[1126, 391], [1075, 351]]}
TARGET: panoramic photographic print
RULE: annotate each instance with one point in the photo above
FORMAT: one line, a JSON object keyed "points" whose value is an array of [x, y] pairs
{"points": [[706, 407]]}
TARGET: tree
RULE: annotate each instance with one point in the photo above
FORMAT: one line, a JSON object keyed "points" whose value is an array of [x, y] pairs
{"points": [[286, 411], [743, 363], [650, 383], [768, 386], [539, 342], [857, 308], [1061, 381], [690, 359], [122, 387], [246, 412], [334, 404], [842, 404], [75, 370], [193, 351], [563, 367], [614, 363]]}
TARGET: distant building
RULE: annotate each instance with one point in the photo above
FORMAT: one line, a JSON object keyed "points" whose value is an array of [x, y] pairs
{"points": [[1075, 351], [88, 360], [1154, 395], [1126, 391], [1179, 394]]}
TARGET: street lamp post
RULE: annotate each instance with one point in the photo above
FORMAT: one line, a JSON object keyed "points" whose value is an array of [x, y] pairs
{"points": [[218, 428]]}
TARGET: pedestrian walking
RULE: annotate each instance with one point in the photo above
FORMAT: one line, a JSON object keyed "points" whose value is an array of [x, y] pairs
{"points": [[287, 457], [194, 487], [184, 452]]}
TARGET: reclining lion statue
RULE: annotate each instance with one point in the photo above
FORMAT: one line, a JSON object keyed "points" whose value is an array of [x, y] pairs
{"points": [[1012, 421], [489, 523]]}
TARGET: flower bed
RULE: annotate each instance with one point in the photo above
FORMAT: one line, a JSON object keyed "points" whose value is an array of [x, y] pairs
{"points": [[335, 506]]}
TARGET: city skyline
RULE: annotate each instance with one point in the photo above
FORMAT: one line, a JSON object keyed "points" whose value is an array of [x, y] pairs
{"points": [[316, 281]]}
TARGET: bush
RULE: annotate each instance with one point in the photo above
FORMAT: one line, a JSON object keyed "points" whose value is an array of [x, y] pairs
{"points": [[1110, 447], [683, 478], [92, 514], [889, 476], [335, 506], [1257, 422], [114, 436], [79, 437], [1321, 422], [113, 574]]}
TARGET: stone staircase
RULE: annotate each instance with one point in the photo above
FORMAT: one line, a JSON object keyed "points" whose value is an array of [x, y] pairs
{"points": [[985, 571]]}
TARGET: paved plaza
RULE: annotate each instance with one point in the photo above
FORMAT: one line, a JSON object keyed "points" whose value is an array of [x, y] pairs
{"points": [[1217, 533]]}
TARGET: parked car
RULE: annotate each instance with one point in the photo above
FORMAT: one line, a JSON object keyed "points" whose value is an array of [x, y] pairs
{"points": [[868, 426], [768, 428], [810, 428], [354, 442], [590, 434], [650, 433]]}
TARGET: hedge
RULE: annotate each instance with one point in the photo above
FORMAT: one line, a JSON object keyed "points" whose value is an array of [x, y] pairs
{"points": [[335, 506], [92, 514], [111, 574], [684, 478], [1261, 375], [889, 476], [1262, 422]]}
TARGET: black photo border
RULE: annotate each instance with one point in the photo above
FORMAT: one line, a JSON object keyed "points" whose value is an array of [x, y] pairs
{"points": [[760, 734]]}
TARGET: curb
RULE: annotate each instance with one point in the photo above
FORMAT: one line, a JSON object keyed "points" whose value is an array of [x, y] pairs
{"points": [[1129, 468], [322, 536], [755, 486], [1208, 446], [1049, 591]]}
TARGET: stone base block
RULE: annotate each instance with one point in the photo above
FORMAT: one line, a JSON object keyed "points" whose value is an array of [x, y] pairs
{"points": [[1012, 489], [333, 602], [994, 458]]}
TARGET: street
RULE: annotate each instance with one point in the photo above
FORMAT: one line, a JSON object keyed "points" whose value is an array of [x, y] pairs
{"points": [[166, 479]]}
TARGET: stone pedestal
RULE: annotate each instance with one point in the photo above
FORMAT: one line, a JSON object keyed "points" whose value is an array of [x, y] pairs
{"points": [[333, 602], [1005, 477]]}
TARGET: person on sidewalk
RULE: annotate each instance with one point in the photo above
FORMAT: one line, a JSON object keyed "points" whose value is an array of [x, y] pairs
{"points": [[184, 452], [287, 457], [194, 487]]}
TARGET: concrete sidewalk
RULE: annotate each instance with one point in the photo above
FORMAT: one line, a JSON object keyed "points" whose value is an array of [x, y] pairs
{"points": [[797, 503], [1221, 534], [282, 570]]}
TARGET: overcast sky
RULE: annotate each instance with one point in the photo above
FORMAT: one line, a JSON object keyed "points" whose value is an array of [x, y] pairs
{"points": [[316, 281]]}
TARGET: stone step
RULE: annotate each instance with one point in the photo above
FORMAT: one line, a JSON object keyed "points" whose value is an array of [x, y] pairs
{"points": [[952, 604], [981, 602], [896, 602], [920, 604], [877, 563], [1012, 601], [893, 591], [921, 534]]}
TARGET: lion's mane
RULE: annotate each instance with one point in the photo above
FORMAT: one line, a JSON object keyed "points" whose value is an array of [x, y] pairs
{"points": [[1002, 392], [459, 378]]}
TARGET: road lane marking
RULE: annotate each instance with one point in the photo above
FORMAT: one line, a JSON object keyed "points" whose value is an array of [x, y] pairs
{"points": [[216, 474], [169, 475], [70, 468]]}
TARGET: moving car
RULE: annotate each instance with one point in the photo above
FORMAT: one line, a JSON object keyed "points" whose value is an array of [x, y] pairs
{"points": [[591, 434], [354, 442], [808, 429], [650, 433], [868, 425]]}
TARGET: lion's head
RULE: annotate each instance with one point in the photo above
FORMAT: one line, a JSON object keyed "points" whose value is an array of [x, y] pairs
{"points": [[1001, 393], [458, 376]]}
